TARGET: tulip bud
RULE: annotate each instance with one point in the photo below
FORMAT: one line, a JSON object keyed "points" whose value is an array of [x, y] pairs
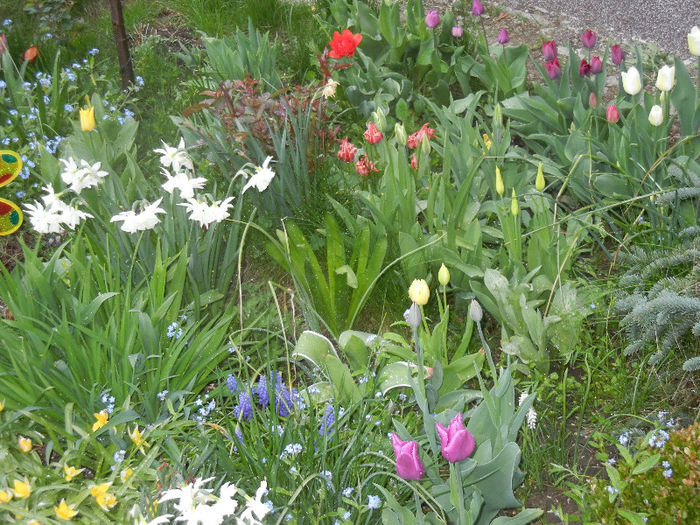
{"points": [[419, 292], [400, 133], [425, 145], [612, 114], [539, 180], [457, 31], [592, 100], [414, 318], [497, 116], [379, 118], [500, 188], [414, 162], [618, 55], [549, 50], [503, 37], [475, 311], [694, 41], [656, 116], [514, 206], [477, 8], [443, 275], [666, 78], [596, 65], [87, 116], [631, 81]]}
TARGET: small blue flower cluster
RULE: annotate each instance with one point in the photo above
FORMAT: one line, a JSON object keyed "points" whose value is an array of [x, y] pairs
{"points": [[174, 330], [204, 409], [658, 438], [108, 400], [668, 471]]}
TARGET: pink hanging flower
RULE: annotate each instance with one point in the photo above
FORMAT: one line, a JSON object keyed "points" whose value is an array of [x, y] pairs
{"points": [[347, 151], [373, 135], [364, 166], [416, 138]]}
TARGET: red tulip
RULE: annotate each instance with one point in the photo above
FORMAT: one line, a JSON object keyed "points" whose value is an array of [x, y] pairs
{"points": [[347, 151], [416, 138], [30, 54], [618, 55], [585, 68], [364, 166], [344, 44], [596, 65], [612, 114], [373, 135], [549, 50], [553, 69], [588, 38]]}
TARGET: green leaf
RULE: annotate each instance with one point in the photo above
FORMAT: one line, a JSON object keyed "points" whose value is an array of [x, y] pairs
{"points": [[646, 464], [350, 276]]}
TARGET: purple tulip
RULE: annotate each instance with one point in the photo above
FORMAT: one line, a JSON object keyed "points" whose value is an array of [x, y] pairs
{"points": [[477, 8], [596, 65], [553, 69], [432, 19], [408, 463], [549, 50], [618, 55], [588, 38], [457, 31], [503, 37], [456, 441]]}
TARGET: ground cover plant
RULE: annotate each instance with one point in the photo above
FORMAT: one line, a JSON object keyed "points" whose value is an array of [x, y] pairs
{"points": [[344, 262]]}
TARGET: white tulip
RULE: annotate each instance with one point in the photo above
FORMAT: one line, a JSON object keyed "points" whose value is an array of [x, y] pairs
{"points": [[631, 81], [656, 116], [666, 78], [694, 41]]}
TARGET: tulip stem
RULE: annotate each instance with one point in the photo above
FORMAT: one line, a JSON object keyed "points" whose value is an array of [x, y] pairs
{"points": [[458, 489]]}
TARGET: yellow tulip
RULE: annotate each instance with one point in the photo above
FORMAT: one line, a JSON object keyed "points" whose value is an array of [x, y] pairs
{"points": [[500, 188], [71, 472], [99, 490], [22, 489], [514, 207], [539, 181], [25, 444], [419, 292], [87, 117], [101, 419], [5, 496], [125, 474], [65, 511], [107, 501]]}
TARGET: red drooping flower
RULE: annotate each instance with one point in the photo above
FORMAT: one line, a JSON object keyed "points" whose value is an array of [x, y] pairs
{"points": [[344, 44], [347, 151], [585, 68], [414, 162], [373, 135], [416, 138], [553, 68], [364, 166], [30, 54]]}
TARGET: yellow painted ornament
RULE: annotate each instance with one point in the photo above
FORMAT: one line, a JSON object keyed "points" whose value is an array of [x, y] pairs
{"points": [[10, 214]]}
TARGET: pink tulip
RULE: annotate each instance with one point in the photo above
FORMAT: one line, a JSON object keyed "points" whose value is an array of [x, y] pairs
{"points": [[457, 31], [373, 135], [432, 19], [592, 100], [549, 50], [477, 8], [503, 37], [553, 69], [457, 443], [596, 65], [618, 55], [347, 151], [588, 38], [612, 114], [408, 463]]}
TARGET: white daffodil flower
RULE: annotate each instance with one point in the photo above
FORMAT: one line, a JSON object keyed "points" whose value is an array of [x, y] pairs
{"points": [[206, 214], [261, 178], [175, 157], [44, 219], [133, 222], [183, 183]]}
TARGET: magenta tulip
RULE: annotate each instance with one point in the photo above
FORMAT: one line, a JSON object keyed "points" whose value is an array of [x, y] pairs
{"points": [[618, 55], [553, 69], [596, 65], [503, 37], [549, 50], [408, 463], [432, 19], [588, 38], [612, 114], [456, 441], [457, 31], [477, 8]]}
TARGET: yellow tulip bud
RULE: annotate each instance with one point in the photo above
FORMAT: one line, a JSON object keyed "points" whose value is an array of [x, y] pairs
{"points": [[87, 116], [500, 188], [443, 275], [25, 444], [419, 292], [487, 141], [514, 207], [539, 181], [22, 489]]}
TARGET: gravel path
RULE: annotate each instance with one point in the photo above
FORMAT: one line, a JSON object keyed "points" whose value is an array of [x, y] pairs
{"points": [[663, 23]]}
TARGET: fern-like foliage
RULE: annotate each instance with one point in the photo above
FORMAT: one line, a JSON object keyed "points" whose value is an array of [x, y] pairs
{"points": [[661, 301]]}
